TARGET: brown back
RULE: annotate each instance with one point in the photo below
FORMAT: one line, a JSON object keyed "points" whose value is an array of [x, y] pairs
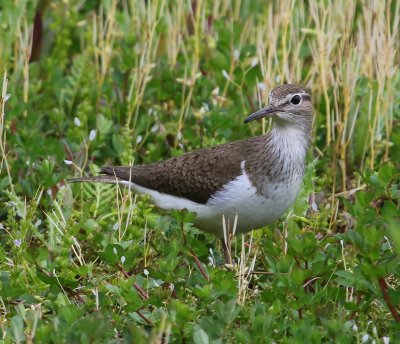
{"points": [[196, 175]]}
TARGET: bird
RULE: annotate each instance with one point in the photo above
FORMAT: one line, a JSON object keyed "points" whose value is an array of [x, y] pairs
{"points": [[249, 182]]}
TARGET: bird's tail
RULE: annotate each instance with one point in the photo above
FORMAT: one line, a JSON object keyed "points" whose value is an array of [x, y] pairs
{"points": [[96, 179]]}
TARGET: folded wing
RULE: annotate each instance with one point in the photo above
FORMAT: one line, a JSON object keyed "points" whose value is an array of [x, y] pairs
{"points": [[195, 176]]}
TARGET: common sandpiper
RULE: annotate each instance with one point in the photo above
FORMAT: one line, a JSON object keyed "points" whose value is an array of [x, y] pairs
{"points": [[251, 182]]}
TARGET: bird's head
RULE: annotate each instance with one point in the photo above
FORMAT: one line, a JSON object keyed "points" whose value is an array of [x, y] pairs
{"points": [[288, 104]]}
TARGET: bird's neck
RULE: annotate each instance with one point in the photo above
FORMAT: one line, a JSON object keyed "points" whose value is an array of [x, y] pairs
{"points": [[289, 140], [283, 161]]}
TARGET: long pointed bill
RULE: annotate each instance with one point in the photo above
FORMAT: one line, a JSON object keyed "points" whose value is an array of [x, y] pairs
{"points": [[267, 111]]}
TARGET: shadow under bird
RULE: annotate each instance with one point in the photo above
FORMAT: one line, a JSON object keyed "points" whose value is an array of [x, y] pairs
{"points": [[256, 179]]}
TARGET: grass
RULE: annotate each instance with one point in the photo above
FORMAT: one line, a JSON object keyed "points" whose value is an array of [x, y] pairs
{"points": [[122, 82]]}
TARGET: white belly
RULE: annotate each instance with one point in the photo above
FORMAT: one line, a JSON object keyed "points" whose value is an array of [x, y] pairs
{"points": [[239, 197], [253, 210]]}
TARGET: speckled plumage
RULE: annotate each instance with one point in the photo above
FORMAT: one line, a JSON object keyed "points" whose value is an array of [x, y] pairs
{"points": [[196, 175], [200, 174]]}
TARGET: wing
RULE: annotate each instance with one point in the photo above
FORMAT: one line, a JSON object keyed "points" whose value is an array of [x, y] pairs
{"points": [[205, 170]]}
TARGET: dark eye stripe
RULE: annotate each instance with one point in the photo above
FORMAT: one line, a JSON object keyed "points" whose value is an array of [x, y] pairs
{"points": [[303, 97]]}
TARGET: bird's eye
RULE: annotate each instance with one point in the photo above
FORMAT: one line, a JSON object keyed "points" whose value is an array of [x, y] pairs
{"points": [[296, 99]]}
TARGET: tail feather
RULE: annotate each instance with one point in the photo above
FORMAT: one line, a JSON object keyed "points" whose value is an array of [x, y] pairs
{"points": [[96, 179]]}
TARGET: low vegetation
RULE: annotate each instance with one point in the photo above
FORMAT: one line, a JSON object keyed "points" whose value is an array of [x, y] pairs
{"points": [[88, 83]]}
